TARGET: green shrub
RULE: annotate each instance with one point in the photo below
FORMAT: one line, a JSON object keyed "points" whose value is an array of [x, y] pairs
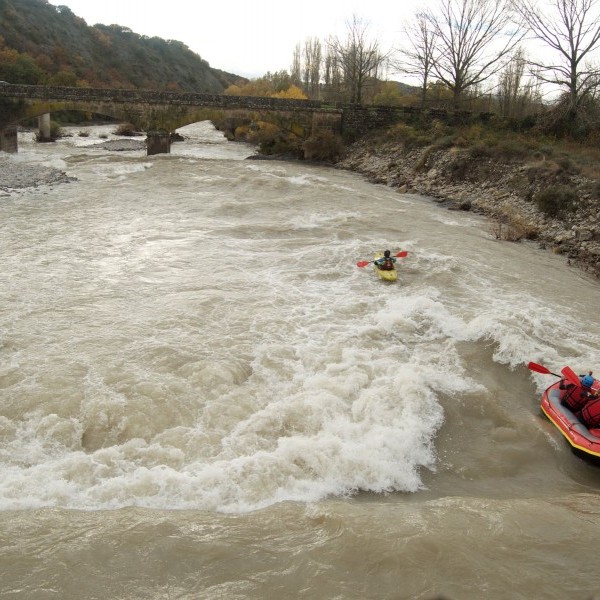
{"points": [[323, 146], [126, 129], [55, 133], [445, 142], [408, 136], [460, 168], [422, 163], [480, 150], [400, 131], [556, 201], [511, 149], [567, 165]]}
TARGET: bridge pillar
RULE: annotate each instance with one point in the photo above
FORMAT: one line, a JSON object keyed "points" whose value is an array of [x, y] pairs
{"points": [[158, 142], [8, 139], [44, 127]]}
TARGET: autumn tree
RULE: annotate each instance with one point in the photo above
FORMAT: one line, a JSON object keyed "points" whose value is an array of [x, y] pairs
{"points": [[274, 85], [18, 67], [292, 93], [473, 40], [570, 29], [389, 94], [63, 78]]}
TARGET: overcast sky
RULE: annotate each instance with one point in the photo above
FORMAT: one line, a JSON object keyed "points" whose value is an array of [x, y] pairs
{"points": [[248, 37]]}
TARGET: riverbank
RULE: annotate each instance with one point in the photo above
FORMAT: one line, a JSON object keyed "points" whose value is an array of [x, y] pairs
{"points": [[501, 188], [18, 175]]}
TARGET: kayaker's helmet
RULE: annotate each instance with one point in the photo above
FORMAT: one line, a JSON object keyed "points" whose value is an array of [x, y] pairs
{"points": [[387, 253], [587, 381]]}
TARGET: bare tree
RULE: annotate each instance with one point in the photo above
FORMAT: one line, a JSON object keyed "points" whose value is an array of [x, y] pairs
{"points": [[473, 42], [358, 57], [312, 67], [417, 52], [511, 84], [296, 68], [571, 28], [332, 78]]}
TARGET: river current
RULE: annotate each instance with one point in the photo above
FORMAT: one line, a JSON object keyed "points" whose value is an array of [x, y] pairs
{"points": [[202, 396]]}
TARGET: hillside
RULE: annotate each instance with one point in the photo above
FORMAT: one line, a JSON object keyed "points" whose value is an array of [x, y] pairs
{"points": [[46, 44]]}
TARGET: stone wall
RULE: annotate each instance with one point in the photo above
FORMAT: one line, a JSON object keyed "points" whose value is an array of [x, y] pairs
{"points": [[70, 94]]}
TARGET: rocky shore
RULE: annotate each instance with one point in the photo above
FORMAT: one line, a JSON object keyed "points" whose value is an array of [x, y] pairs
{"points": [[501, 190], [20, 175], [17, 175]]}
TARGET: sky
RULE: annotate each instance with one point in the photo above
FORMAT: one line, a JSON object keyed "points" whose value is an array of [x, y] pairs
{"points": [[248, 37]]}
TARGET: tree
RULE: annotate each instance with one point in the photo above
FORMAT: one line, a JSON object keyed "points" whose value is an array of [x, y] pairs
{"points": [[17, 67], [293, 92], [389, 94], [571, 28], [473, 42], [295, 74], [63, 78], [418, 52], [510, 84], [332, 78], [358, 58], [312, 67], [275, 85]]}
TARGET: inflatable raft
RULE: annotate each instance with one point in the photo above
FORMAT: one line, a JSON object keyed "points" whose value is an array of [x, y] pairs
{"points": [[386, 275], [585, 442]]}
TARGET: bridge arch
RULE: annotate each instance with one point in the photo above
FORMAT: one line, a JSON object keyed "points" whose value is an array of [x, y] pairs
{"points": [[161, 113]]}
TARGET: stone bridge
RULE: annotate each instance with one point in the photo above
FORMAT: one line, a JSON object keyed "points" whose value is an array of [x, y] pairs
{"points": [[161, 113], [157, 113]]}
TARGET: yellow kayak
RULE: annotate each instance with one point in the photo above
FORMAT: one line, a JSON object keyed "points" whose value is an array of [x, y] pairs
{"points": [[386, 275]]}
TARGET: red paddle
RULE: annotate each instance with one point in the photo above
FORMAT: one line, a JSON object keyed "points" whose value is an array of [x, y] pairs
{"points": [[567, 372], [571, 376], [540, 369], [364, 263]]}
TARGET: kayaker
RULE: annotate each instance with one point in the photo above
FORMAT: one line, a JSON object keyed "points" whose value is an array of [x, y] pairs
{"points": [[575, 397], [386, 262]]}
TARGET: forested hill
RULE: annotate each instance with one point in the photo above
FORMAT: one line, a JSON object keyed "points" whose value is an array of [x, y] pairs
{"points": [[49, 45]]}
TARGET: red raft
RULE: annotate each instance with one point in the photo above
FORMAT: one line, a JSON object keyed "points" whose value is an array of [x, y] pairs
{"points": [[585, 442]]}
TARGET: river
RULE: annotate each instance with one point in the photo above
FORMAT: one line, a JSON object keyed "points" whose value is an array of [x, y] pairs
{"points": [[203, 397]]}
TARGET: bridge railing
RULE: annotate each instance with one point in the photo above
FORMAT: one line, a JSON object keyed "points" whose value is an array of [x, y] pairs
{"points": [[42, 92]]}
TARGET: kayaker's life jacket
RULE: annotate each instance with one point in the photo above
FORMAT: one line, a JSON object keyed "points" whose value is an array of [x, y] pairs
{"points": [[590, 414], [575, 397], [387, 265]]}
